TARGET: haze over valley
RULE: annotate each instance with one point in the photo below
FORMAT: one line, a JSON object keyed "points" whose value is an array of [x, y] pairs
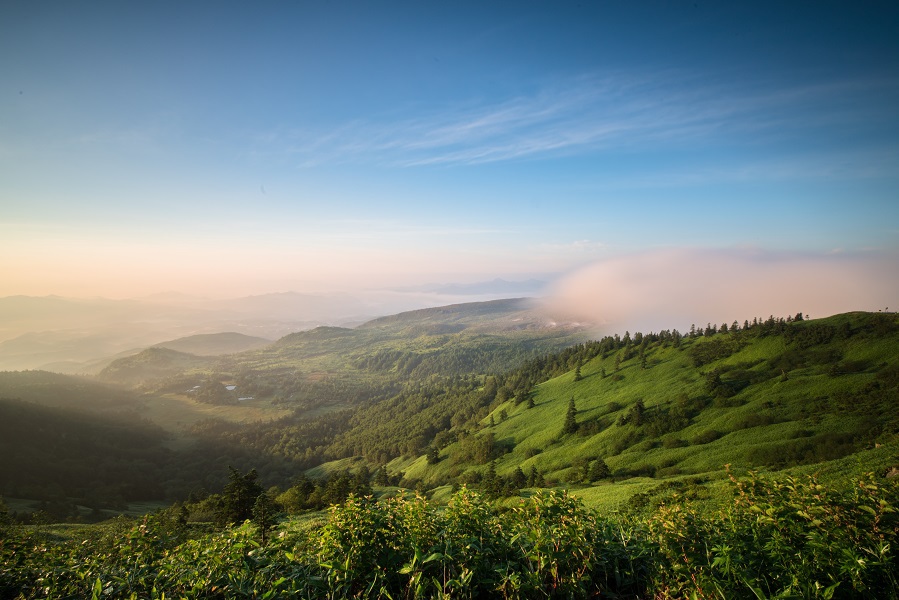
{"points": [[72, 334], [467, 299]]}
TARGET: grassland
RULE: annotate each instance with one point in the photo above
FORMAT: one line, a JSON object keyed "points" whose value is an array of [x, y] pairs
{"points": [[777, 405]]}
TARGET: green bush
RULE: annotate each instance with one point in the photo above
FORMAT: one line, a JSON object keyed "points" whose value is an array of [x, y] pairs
{"points": [[790, 538], [786, 538]]}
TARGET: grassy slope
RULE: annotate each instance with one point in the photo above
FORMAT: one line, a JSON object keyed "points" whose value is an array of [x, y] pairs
{"points": [[791, 404], [798, 417], [331, 368], [309, 373]]}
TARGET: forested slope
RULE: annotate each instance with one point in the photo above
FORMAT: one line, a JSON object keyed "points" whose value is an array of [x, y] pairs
{"points": [[613, 419]]}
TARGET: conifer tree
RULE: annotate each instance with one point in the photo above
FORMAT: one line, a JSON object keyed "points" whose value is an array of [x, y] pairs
{"points": [[637, 411], [518, 478], [239, 496], [570, 425], [264, 511], [381, 476], [535, 479]]}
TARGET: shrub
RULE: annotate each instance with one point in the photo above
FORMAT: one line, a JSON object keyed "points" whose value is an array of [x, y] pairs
{"points": [[706, 437], [787, 538]]}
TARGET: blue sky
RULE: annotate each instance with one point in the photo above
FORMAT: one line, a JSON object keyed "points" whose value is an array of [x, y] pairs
{"points": [[233, 148]]}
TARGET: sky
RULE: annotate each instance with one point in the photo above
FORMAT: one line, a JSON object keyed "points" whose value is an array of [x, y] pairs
{"points": [[233, 148]]}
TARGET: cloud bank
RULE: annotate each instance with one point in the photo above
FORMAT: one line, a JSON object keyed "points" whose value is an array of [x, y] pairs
{"points": [[674, 288]]}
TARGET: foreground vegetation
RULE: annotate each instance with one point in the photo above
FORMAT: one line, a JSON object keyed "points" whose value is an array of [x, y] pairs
{"points": [[786, 538]]}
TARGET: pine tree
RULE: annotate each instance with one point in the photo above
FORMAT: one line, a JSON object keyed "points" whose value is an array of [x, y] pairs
{"points": [[637, 411], [264, 511], [570, 425], [535, 479], [239, 496], [518, 478], [5, 519], [381, 476], [492, 483]]}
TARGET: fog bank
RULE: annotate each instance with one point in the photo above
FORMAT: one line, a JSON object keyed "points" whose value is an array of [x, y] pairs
{"points": [[674, 288]]}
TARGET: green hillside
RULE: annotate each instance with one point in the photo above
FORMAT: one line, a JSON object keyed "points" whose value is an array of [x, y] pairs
{"points": [[215, 344], [101, 461], [656, 439], [621, 421], [64, 391], [659, 406], [281, 408], [494, 315], [152, 365]]}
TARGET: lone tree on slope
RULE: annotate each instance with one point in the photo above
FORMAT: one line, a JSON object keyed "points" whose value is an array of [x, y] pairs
{"points": [[570, 425]]}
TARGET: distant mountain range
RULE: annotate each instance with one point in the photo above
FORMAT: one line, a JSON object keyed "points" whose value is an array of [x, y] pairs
{"points": [[496, 286], [81, 335]]}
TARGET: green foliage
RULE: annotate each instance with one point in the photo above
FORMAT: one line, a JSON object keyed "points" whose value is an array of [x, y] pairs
{"points": [[783, 538], [214, 392], [570, 425], [599, 470], [264, 513], [714, 349], [775, 538], [100, 460], [239, 497]]}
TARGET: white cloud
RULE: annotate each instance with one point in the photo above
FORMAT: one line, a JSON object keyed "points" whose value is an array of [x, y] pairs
{"points": [[673, 288]]}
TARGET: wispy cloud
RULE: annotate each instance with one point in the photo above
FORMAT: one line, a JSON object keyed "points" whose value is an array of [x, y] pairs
{"points": [[869, 163], [621, 111]]}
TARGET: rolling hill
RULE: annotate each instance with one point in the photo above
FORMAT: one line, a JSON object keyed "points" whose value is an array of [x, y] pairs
{"points": [[657, 407], [215, 344], [462, 394], [151, 365]]}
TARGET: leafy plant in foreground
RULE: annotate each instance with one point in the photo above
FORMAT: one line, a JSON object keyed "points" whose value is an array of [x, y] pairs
{"points": [[783, 538]]}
